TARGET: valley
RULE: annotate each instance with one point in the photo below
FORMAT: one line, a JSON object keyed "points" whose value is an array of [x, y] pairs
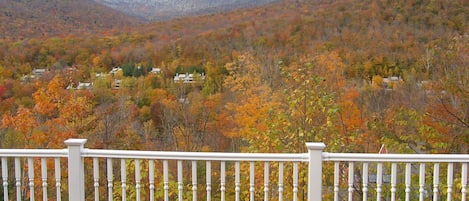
{"points": [[352, 74]]}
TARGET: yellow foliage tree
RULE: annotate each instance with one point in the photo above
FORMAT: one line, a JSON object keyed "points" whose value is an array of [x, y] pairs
{"points": [[251, 106], [24, 122]]}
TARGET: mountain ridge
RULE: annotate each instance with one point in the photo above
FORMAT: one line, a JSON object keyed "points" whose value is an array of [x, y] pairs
{"points": [[27, 18], [157, 10]]}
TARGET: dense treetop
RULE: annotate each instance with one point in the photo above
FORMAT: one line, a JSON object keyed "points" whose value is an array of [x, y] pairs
{"points": [[353, 74]]}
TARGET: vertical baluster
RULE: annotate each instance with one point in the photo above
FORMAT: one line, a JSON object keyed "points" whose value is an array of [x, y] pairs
{"points": [[222, 180], [393, 181], [96, 178], [194, 180], [5, 178], [365, 181], [31, 178], [450, 181], [110, 179], [165, 180], [251, 181], [237, 181], [151, 179], [58, 176], [436, 180], [266, 180], [18, 178], [180, 180], [463, 181], [408, 176], [44, 178], [422, 182], [351, 176], [123, 180], [137, 178], [379, 180], [208, 177], [280, 181], [336, 181], [295, 181]]}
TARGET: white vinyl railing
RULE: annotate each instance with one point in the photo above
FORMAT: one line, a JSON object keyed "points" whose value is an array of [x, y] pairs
{"points": [[403, 167], [193, 157], [156, 175], [30, 154]]}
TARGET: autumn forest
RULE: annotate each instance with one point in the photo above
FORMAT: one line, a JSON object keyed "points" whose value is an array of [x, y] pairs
{"points": [[354, 74]]}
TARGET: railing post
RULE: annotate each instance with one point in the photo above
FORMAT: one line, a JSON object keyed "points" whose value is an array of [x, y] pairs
{"points": [[76, 176], [315, 170]]}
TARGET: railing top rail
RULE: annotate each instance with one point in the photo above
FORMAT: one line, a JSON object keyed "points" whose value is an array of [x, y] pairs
{"points": [[220, 156], [410, 158], [193, 156], [40, 153]]}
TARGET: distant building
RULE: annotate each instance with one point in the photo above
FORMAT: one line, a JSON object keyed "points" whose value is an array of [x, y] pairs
{"points": [[115, 70], [97, 75], [386, 83], [26, 78], [390, 82], [391, 79], [35, 74], [38, 72], [85, 85], [155, 70], [81, 86], [189, 78]]}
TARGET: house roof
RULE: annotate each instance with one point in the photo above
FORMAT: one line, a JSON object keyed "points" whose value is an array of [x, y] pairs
{"points": [[189, 77]]}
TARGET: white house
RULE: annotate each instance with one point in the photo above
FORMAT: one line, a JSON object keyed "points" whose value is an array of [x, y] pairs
{"points": [[155, 70], [189, 78], [85, 85], [38, 72], [115, 70], [35, 74], [81, 86]]}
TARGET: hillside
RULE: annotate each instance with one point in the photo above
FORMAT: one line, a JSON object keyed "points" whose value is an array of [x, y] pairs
{"points": [[390, 36], [354, 74], [28, 18], [163, 9]]}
